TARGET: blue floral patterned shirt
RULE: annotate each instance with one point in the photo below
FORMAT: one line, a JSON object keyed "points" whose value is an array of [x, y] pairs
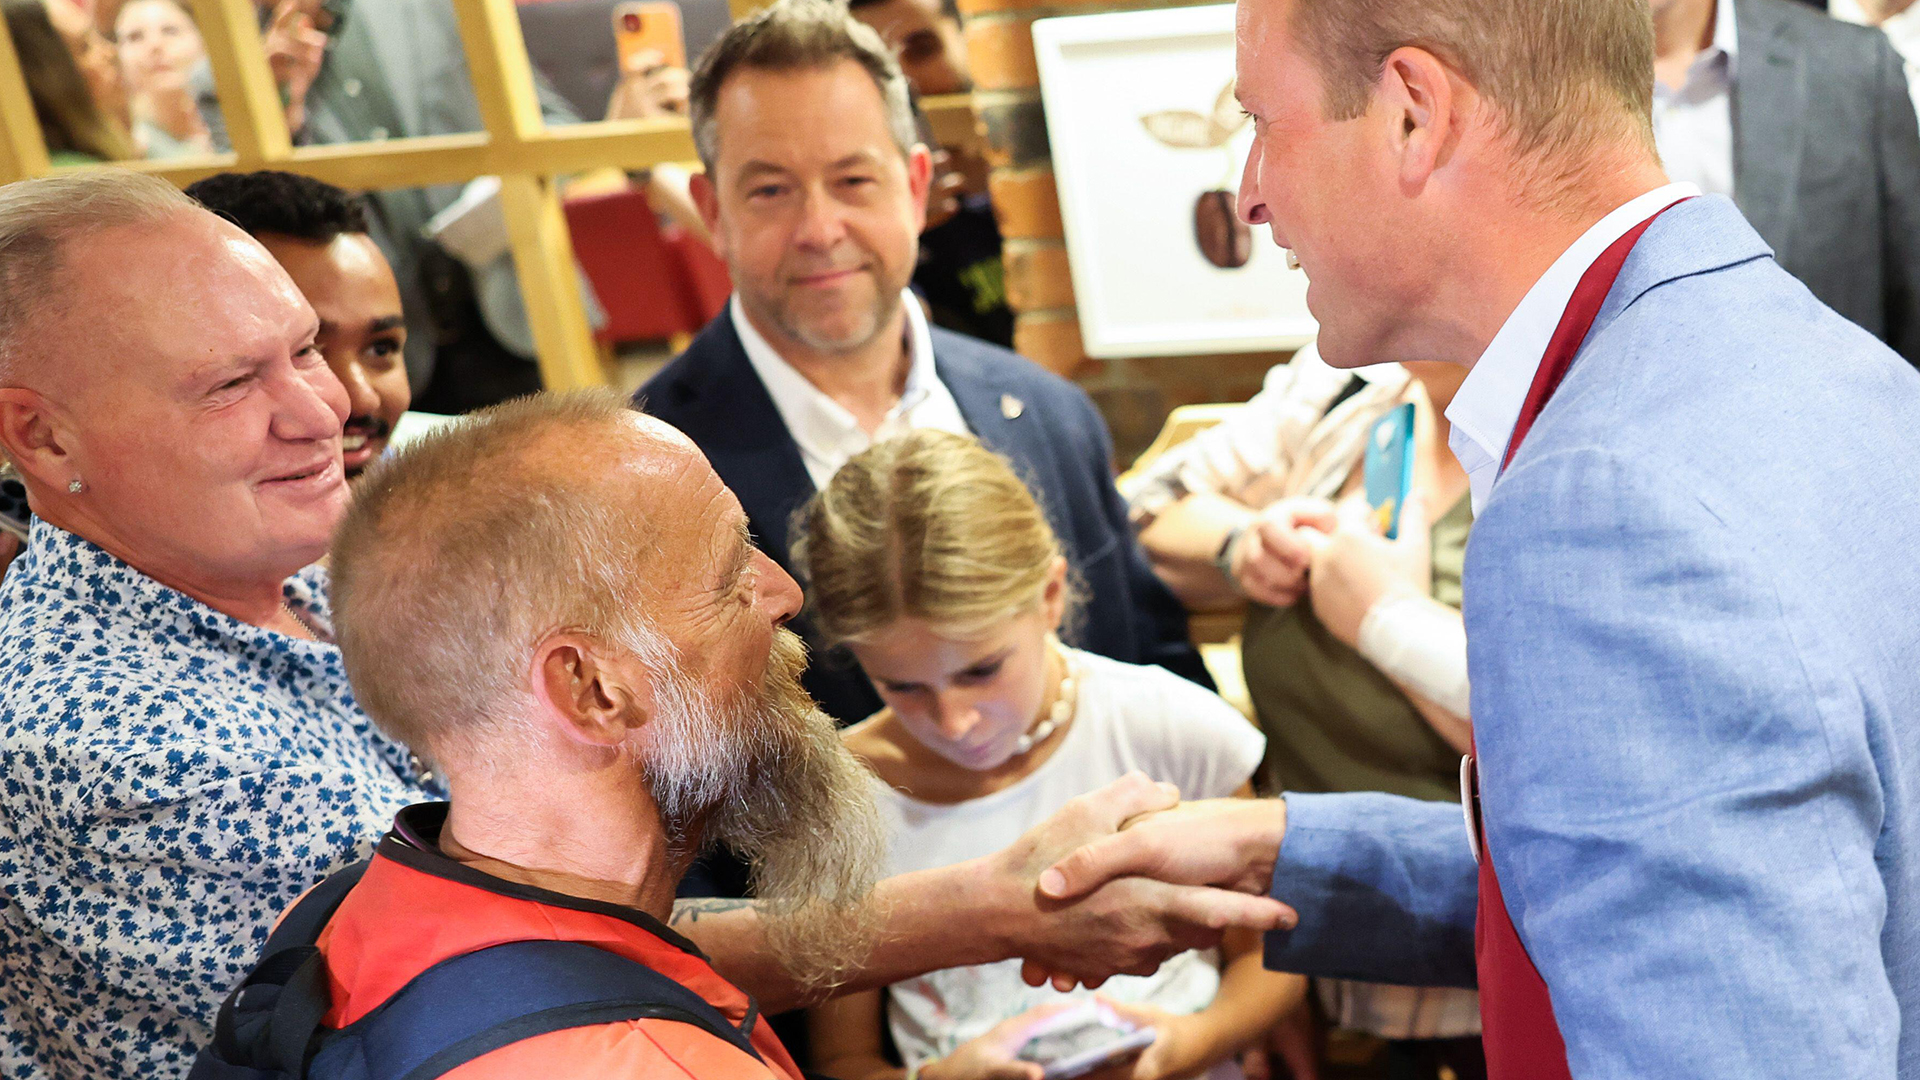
{"points": [[170, 779]]}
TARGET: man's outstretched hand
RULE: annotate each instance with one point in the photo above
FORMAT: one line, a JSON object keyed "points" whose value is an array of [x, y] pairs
{"points": [[1200, 852], [1224, 843], [1094, 902]]}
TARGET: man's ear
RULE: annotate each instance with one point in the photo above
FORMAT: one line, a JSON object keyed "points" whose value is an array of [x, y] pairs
{"points": [[588, 694], [34, 440], [706, 199], [920, 178], [1424, 98]]}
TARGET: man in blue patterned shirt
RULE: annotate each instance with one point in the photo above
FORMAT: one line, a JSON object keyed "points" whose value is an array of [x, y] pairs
{"points": [[180, 750]]}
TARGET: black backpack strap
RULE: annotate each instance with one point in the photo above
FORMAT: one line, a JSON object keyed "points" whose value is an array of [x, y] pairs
{"points": [[302, 923], [268, 1022], [476, 1003]]}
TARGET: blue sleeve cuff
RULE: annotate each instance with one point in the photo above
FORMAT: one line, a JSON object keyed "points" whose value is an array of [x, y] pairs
{"points": [[1385, 888]]}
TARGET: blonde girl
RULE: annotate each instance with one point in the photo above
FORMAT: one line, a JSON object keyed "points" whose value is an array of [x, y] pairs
{"points": [[930, 561]]}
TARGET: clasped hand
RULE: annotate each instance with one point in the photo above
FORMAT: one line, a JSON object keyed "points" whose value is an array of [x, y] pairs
{"points": [[1123, 878], [1354, 567], [1092, 901], [1335, 556]]}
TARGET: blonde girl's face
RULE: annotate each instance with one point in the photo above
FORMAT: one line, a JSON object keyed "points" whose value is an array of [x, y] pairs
{"points": [[967, 699]]}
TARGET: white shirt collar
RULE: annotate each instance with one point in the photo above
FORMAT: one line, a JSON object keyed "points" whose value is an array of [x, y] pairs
{"points": [[1726, 34], [1487, 405], [825, 431]]}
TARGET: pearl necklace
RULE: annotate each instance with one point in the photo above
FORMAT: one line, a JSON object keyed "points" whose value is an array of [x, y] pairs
{"points": [[312, 631], [1061, 712]]}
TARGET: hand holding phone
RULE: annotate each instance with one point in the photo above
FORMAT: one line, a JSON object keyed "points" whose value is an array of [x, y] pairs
{"points": [[653, 61], [641, 26], [1079, 1040]]}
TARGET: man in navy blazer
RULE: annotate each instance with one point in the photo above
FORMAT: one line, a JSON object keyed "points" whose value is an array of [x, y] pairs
{"points": [[818, 188], [1691, 593], [1042, 423]]}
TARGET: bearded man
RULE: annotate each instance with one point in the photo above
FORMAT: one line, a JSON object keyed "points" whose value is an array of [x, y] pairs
{"points": [[556, 603]]}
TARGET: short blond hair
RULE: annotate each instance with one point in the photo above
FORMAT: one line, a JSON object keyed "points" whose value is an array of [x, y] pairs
{"points": [[1558, 70], [39, 218], [931, 526], [466, 549]]}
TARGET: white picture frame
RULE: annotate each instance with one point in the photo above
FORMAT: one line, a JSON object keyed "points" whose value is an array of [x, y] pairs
{"points": [[1140, 128]]}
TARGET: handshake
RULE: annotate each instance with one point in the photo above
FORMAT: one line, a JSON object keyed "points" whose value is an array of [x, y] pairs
{"points": [[1121, 879], [1114, 883]]}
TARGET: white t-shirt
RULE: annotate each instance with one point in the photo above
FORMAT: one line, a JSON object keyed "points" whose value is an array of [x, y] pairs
{"points": [[1126, 717]]}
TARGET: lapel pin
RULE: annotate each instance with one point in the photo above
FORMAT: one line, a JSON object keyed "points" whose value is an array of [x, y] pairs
{"points": [[1011, 407]]}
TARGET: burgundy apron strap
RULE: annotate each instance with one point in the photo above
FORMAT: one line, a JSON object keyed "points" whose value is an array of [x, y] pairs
{"points": [[1518, 1028]]}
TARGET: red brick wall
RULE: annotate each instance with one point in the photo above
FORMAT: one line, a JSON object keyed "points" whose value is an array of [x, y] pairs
{"points": [[1135, 394]]}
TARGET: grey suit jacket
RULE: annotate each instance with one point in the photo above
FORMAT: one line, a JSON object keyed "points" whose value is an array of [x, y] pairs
{"points": [[1827, 162], [397, 70]]}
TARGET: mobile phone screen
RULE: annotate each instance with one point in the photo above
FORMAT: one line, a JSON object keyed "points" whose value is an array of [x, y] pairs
{"points": [[1082, 1040]]}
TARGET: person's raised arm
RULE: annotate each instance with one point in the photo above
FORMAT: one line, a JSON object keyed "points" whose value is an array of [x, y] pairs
{"points": [[989, 909], [1375, 596]]}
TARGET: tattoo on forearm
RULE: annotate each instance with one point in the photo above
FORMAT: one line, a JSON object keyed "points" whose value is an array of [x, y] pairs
{"points": [[687, 912]]}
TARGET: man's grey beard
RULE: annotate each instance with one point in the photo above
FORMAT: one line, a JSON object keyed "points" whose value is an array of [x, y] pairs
{"points": [[769, 777], [884, 307]]}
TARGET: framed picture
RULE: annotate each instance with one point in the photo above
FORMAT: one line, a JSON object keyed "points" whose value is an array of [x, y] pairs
{"points": [[1148, 147]]}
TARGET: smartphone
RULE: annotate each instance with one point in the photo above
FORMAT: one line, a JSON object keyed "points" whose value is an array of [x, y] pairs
{"points": [[639, 25], [1389, 468], [1079, 1040]]}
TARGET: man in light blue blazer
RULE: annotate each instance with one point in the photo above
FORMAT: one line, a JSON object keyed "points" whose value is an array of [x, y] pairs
{"points": [[1692, 603]]}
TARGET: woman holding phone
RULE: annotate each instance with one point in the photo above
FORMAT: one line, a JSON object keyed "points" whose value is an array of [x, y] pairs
{"points": [[1354, 649], [931, 562]]}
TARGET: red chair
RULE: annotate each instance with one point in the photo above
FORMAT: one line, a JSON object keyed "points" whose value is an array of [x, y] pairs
{"points": [[656, 283]]}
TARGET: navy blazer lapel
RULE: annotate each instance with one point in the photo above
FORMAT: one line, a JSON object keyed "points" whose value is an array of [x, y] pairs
{"points": [[1769, 120], [745, 439]]}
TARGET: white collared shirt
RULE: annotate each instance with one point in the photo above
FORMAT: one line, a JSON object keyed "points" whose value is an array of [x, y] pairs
{"points": [[1487, 405], [825, 431], [1693, 125], [1902, 29]]}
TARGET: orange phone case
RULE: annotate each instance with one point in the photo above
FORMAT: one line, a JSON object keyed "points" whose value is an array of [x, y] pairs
{"points": [[640, 25]]}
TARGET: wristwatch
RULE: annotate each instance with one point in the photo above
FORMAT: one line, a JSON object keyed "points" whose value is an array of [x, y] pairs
{"points": [[1224, 557]]}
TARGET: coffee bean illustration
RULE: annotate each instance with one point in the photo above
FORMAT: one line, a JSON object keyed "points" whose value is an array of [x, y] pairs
{"points": [[1224, 239]]}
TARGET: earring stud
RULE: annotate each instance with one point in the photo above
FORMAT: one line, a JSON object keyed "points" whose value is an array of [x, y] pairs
{"points": [[76, 487]]}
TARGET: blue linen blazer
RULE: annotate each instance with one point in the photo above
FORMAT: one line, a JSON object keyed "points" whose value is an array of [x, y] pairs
{"points": [[1058, 444], [1693, 620]]}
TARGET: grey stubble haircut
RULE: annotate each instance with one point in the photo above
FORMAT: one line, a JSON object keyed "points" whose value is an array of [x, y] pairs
{"points": [[39, 218]]}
